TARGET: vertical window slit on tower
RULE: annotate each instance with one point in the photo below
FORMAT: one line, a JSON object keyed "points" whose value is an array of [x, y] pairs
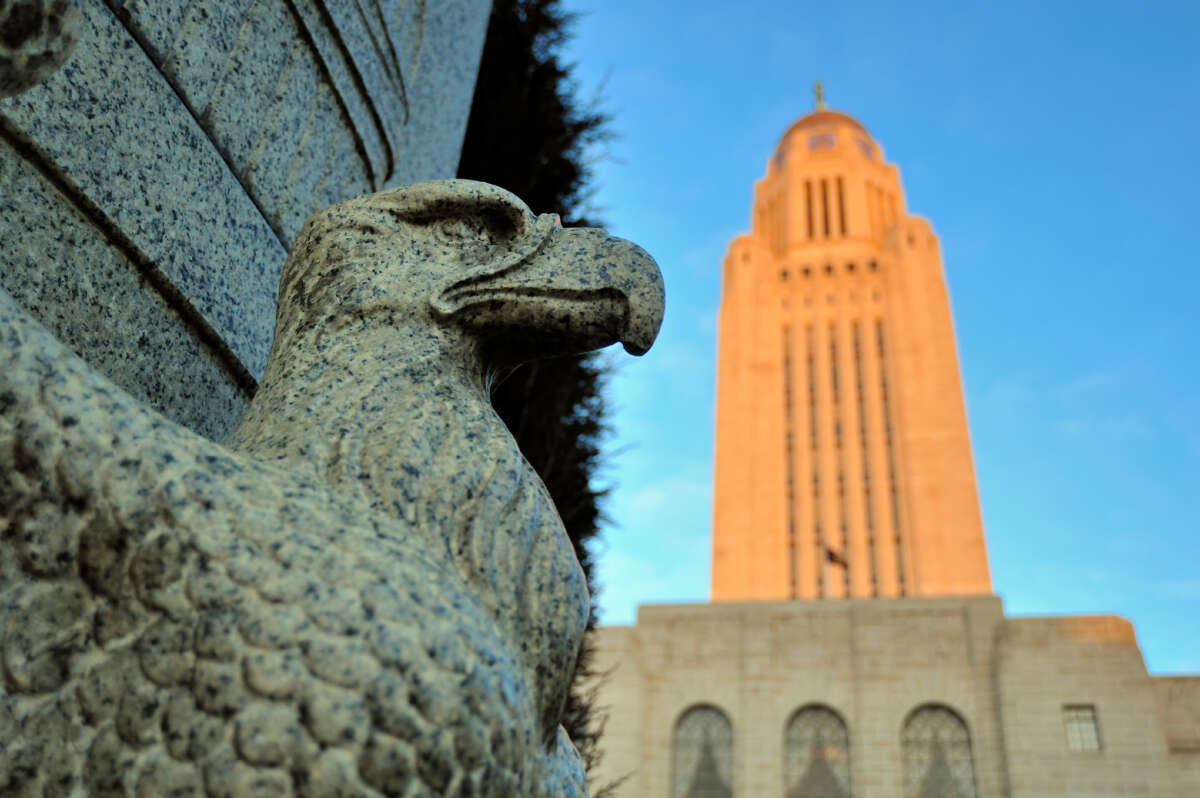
{"points": [[871, 210], [782, 217], [808, 206], [835, 387], [841, 206], [815, 459], [891, 454], [868, 512], [790, 461], [780, 223], [825, 205]]}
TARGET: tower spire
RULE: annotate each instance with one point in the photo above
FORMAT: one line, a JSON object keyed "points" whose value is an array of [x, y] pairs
{"points": [[818, 96]]}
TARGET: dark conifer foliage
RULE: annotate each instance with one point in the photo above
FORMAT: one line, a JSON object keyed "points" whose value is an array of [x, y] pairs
{"points": [[528, 132]]}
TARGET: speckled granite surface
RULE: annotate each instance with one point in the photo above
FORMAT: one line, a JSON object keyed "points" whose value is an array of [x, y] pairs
{"points": [[157, 22], [367, 591], [445, 67], [113, 125], [108, 310], [402, 73], [206, 131]]}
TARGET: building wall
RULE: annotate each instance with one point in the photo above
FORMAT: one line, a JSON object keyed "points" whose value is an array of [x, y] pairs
{"points": [[1179, 706], [181, 146], [1044, 664], [843, 465], [874, 662]]}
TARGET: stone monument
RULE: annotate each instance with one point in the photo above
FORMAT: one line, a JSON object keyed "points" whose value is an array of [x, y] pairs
{"points": [[366, 590]]}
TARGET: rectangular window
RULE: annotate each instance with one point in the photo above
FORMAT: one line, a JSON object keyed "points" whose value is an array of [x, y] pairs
{"points": [[1083, 732], [780, 221], [868, 519], [814, 458], [835, 387], [825, 205], [891, 455], [808, 204], [821, 141], [873, 210], [790, 466], [841, 207]]}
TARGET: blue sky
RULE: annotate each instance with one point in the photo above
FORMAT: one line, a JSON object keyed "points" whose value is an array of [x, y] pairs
{"points": [[1054, 147]]}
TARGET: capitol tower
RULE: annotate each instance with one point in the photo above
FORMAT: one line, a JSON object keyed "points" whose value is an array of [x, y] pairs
{"points": [[843, 465], [853, 647]]}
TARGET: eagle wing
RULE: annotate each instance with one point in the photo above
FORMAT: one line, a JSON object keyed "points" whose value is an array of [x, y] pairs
{"points": [[177, 618]]}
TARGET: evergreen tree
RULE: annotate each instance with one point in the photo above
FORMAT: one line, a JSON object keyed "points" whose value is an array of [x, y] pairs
{"points": [[529, 133]]}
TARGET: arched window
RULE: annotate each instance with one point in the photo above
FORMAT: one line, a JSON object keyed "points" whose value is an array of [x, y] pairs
{"points": [[702, 765], [936, 747], [816, 755]]}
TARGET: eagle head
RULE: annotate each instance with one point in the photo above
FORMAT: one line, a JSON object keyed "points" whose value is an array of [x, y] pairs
{"points": [[470, 256]]}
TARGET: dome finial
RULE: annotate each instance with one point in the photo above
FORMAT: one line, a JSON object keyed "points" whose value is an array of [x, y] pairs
{"points": [[818, 96]]}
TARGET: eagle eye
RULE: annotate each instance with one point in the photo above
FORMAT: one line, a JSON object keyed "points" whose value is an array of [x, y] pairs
{"points": [[457, 231]]}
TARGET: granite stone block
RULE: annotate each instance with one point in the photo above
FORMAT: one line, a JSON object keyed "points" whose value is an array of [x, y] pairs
{"points": [[448, 58], [90, 294], [160, 179], [199, 50], [304, 172], [155, 22], [277, 147], [339, 63], [248, 80]]}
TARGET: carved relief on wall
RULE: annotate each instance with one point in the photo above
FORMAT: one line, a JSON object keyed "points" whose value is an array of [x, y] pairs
{"points": [[306, 100], [378, 44]]}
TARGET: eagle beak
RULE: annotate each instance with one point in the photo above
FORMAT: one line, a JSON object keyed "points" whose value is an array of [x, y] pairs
{"points": [[594, 261], [581, 289]]}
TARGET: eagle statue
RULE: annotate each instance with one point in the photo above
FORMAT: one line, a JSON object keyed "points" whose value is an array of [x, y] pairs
{"points": [[365, 590]]}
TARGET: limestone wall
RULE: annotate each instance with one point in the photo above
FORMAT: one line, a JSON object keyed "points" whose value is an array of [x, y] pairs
{"points": [[1179, 705], [873, 662], [153, 183], [1045, 665]]}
